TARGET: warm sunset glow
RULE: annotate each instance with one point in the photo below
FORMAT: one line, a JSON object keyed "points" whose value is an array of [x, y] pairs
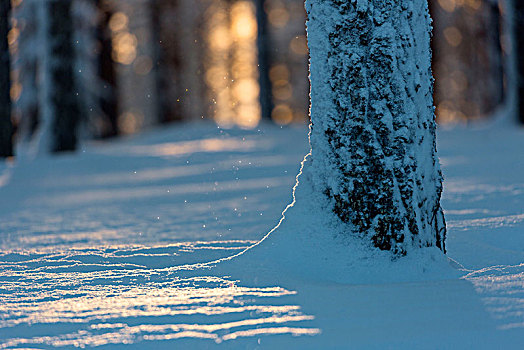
{"points": [[118, 22], [124, 47], [243, 24], [448, 5], [231, 64]]}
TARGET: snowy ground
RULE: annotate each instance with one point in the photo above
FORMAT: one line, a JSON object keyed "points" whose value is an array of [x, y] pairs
{"points": [[98, 249]]}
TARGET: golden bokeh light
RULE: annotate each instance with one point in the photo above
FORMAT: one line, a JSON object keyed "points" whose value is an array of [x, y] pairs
{"points": [[453, 36], [118, 22], [278, 16], [12, 36], [243, 24], [216, 77], [298, 45], [124, 47], [231, 70], [246, 90], [282, 114], [447, 5], [220, 38], [282, 90], [279, 72], [248, 116], [15, 91], [449, 114], [130, 122]]}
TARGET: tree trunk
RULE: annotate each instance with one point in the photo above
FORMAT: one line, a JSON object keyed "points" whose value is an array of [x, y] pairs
{"points": [[63, 90], [468, 60], [519, 48], [179, 47], [373, 126], [266, 100], [6, 126], [166, 58], [107, 72]]}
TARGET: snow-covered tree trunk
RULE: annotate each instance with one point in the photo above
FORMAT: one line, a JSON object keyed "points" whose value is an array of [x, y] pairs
{"points": [[373, 126], [6, 127]]}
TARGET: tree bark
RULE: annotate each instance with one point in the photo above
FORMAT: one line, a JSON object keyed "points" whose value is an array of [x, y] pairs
{"points": [[63, 90], [373, 125], [6, 126]]}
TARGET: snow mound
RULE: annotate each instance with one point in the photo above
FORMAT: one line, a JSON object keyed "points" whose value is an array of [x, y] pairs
{"points": [[311, 243]]}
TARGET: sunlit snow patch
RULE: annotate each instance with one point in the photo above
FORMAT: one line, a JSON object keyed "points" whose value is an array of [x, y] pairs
{"points": [[102, 296]]}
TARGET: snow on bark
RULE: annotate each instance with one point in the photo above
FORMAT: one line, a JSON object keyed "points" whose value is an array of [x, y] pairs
{"points": [[373, 124]]}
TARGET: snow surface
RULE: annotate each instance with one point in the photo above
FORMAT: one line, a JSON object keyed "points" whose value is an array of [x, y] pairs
{"points": [[106, 248]]}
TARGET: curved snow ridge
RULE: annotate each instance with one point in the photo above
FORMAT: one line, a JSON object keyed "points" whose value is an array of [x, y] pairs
{"points": [[281, 220], [312, 243]]}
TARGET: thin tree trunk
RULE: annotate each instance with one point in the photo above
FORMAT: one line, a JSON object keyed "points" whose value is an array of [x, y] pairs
{"points": [[107, 72], [519, 43], [6, 126], [178, 51], [166, 59], [263, 42], [373, 128], [63, 90]]}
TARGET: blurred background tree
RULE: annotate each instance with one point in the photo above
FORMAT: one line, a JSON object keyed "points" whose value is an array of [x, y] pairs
{"points": [[517, 10], [6, 127], [468, 63], [129, 65]]}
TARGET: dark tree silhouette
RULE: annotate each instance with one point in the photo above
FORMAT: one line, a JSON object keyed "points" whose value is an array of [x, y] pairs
{"points": [[178, 58], [6, 126], [263, 43], [63, 90], [167, 57], [519, 41], [106, 71]]}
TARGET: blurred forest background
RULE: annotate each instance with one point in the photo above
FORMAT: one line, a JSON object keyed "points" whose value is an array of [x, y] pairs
{"points": [[83, 69]]}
